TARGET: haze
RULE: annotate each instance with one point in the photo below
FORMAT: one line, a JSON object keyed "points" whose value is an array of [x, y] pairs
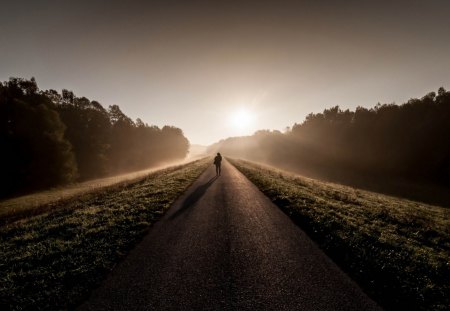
{"points": [[229, 69]]}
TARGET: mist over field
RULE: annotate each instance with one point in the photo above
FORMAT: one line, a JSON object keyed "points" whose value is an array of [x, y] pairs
{"points": [[215, 155], [126, 86], [386, 148], [53, 138], [49, 139]]}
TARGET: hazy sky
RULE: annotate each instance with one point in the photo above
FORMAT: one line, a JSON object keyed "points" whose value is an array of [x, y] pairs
{"points": [[199, 64]]}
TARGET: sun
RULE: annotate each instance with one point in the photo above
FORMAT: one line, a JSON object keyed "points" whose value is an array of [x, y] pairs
{"points": [[242, 119]]}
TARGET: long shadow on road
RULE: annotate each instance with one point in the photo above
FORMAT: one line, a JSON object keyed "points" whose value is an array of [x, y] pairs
{"points": [[193, 197]]}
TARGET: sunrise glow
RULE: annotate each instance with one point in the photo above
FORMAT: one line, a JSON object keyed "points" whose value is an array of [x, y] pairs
{"points": [[242, 120]]}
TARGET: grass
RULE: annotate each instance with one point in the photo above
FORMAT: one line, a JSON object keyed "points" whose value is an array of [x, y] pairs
{"points": [[52, 261], [36, 203], [397, 250]]}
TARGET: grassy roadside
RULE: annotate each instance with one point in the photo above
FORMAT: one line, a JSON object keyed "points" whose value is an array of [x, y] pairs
{"points": [[53, 260], [44, 201], [397, 250]]}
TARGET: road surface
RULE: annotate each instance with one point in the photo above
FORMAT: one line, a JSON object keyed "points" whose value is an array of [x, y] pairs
{"points": [[224, 246]]}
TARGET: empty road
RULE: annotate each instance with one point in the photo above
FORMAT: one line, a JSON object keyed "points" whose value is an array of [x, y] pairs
{"points": [[224, 246]]}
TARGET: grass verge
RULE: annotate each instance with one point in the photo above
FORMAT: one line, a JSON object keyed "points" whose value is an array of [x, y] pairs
{"points": [[44, 201], [397, 250], [53, 260]]}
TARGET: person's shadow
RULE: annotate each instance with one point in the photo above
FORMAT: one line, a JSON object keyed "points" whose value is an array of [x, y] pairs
{"points": [[193, 197]]}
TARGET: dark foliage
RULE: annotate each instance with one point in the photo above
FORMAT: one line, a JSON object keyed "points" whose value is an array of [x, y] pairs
{"points": [[405, 142], [34, 152], [49, 139]]}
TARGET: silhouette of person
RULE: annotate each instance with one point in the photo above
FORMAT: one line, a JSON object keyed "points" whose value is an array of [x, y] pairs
{"points": [[217, 162]]}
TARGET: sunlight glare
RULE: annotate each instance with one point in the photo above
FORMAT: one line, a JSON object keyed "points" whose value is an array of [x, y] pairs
{"points": [[242, 119]]}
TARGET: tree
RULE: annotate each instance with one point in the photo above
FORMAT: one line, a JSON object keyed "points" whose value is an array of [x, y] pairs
{"points": [[48, 139], [35, 153]]}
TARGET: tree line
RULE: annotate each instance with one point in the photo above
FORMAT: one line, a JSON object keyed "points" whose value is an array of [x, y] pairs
{"points": [[409, 142], [49, 138]]}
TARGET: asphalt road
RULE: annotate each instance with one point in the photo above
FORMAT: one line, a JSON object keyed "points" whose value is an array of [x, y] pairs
{"points": [[224, 246]]}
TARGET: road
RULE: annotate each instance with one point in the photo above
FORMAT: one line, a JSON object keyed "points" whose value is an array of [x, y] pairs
{"points": [[224, 246]]}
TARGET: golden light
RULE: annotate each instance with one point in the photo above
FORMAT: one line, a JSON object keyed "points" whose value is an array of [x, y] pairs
{"points": [[242, 120]]}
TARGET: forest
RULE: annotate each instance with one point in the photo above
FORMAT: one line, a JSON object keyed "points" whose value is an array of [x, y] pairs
{"points": [[49, 139], [408, 142]]}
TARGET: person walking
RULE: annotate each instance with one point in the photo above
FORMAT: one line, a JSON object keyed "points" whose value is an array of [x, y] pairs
{"points": [[217, 163]]}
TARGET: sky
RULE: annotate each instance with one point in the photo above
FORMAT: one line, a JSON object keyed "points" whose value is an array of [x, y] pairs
{"points": [[228, 68]]}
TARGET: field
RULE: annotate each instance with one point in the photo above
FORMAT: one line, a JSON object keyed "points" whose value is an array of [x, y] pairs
{"points": [[53, 260], [35, 203], [397, 250]]}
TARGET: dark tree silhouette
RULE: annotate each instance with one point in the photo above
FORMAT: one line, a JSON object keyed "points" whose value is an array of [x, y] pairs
{"points": [[49, 139], [88, 129], [403, 142], [35, 154]]}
